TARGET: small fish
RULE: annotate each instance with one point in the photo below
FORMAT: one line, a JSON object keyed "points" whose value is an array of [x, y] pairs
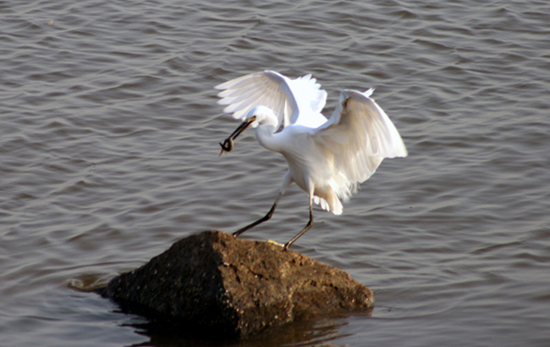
{"points": [[227, 145]]}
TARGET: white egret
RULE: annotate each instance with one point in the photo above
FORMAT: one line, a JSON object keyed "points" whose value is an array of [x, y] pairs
{"points": [[326, 158]]}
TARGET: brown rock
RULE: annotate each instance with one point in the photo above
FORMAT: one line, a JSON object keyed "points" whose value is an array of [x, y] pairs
{"points": [[240, 287]]}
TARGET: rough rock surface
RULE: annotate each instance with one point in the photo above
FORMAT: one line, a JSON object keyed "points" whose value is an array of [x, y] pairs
{"points": [[213, 280]]}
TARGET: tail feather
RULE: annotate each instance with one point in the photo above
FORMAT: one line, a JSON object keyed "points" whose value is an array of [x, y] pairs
{"points": [[334, 205]]}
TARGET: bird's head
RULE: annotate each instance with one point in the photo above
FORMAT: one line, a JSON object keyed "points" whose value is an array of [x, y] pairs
{"points": [[262, 115], [258, 116]]}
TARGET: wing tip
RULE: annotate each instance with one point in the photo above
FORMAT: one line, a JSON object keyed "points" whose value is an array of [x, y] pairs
{"points": [[346, 93]]}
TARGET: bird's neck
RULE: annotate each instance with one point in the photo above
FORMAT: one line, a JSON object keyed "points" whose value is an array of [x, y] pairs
{"points": [[266, 138]]}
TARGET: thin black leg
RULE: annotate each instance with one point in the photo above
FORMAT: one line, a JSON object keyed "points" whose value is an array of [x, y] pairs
{"points": [[261, 220], [287, 181], [307, 227]]}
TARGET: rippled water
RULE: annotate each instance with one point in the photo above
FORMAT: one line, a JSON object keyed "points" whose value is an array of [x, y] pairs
{"points": [[109, 153]]}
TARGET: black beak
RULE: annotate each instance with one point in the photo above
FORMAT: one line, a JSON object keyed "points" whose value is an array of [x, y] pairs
{"points": [[228, 144]]}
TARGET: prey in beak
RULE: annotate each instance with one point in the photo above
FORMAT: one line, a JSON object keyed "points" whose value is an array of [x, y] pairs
{"points": [[228, 144]]}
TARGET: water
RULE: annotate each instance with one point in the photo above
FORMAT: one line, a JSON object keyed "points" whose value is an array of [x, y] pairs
{"points": [[109, 153]]}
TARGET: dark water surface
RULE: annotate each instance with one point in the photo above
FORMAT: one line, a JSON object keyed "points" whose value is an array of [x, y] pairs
{"points": [[109, 134]]}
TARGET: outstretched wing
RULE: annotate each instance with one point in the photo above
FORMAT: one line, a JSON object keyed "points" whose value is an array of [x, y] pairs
{"points": [[287, 98], [356, 139]]}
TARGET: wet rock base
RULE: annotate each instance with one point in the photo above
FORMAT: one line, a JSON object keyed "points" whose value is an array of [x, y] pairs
{"points": [[214, 282]]}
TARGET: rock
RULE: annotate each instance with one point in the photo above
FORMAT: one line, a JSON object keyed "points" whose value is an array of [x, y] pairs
{"points": [[238, 287]]}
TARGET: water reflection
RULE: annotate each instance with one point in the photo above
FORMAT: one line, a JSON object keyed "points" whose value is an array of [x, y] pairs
{"points": [[320, 332]]}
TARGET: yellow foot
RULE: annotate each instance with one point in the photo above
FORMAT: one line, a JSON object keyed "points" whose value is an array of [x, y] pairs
{"points": [[275, 243]]}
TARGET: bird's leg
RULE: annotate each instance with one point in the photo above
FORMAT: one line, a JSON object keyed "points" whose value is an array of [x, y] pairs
{"points": [[287, 181], [261, 220], [307, 227]]}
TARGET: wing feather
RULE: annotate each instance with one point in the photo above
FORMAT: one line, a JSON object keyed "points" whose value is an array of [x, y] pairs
{"points": [[355, 140], [290, 99]]}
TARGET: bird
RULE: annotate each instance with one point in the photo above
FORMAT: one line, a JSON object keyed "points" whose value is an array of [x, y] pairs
{"points": [[327, 158]]}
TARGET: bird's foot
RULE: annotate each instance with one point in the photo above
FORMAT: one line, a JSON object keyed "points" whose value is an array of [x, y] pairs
{"points": [[275, 243]]}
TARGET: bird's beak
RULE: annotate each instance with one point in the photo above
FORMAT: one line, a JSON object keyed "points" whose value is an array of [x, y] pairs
{"points": [[228, 144]]}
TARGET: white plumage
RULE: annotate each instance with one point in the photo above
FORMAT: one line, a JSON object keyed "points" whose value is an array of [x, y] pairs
{"points": [[326, 158]]}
